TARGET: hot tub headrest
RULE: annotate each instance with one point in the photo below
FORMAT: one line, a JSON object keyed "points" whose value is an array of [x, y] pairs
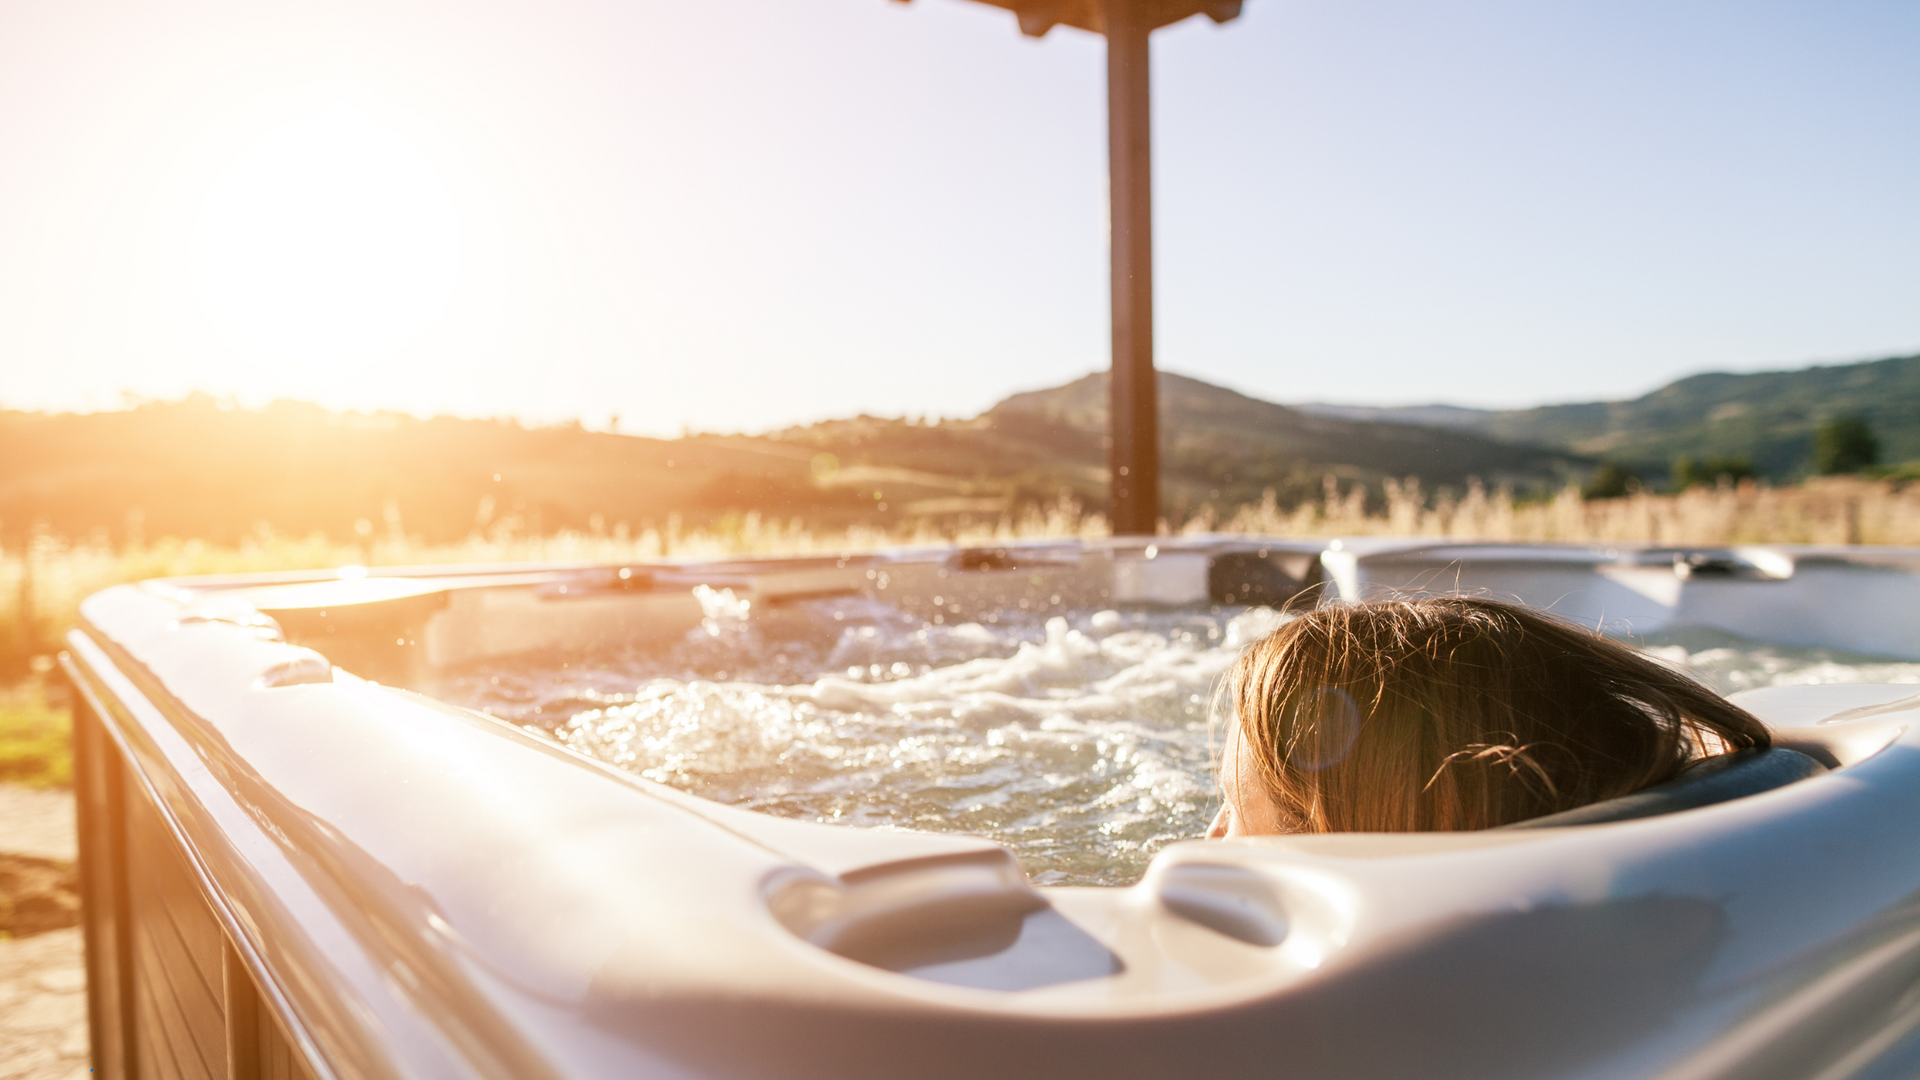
{"points": [[1715, 780]]}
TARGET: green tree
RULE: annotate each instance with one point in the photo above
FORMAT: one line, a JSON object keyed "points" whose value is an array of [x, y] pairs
{"points": [[1610, 481], [1688, 470], [1844, 444]]}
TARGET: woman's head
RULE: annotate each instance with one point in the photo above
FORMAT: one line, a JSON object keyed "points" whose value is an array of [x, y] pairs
{"points": [[1452, 713]]}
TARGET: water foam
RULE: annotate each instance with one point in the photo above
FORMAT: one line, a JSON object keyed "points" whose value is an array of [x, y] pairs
{"points": [[1081, 741], [1731, 664]]}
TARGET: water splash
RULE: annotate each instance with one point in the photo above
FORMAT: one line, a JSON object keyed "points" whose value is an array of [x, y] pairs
{"points": [[1081, 741], [722, 613], [1731, 664]]}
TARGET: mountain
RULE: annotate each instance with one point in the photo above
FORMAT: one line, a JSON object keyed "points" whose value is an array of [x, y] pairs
{"points": [[193, 468], [1768, 417], [1221, 446], [1425, 415]]}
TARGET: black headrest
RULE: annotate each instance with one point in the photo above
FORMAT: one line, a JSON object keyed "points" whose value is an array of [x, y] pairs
{"points": [[1714, 780]]}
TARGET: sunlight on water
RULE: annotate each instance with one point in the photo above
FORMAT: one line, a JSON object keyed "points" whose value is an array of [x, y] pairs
{"points": [[1080, 741], [1730, 664]]}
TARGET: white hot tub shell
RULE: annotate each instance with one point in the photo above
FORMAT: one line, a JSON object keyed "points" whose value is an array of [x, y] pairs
{"points": [[294, 866]]}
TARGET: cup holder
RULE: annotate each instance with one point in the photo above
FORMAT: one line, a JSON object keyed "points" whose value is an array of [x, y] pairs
{"points": [[967, 920]]}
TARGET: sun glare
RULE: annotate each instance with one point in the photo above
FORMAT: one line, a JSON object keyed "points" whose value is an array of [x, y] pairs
{"points": [[330, 240]]}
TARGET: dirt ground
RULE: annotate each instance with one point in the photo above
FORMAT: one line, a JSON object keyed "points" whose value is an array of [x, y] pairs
{"points": [[43, 981], [37, 823]]}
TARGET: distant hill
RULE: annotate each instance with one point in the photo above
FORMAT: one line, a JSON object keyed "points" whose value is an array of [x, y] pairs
{"points": [[1217, 440], [1768, 417], [192, 468], [1426, 415]]}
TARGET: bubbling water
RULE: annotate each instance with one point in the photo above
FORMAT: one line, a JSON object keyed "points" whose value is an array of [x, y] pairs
{"points": [[1082, 741]]}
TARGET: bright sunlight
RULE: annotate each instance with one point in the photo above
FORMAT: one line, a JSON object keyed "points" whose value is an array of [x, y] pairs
{"points": [[330, 240]]}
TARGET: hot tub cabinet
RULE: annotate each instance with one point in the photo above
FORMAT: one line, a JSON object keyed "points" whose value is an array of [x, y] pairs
{"points": [[296, 867]]}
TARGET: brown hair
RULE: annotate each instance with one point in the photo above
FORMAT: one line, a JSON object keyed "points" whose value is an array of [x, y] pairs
{"points": [[1453, 713]]}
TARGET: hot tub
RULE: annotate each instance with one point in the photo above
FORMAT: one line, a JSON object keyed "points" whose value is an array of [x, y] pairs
{"points": [[302, 858]]}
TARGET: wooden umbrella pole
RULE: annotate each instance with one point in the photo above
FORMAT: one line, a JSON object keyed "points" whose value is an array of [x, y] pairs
{"points": [[1134, 416]]}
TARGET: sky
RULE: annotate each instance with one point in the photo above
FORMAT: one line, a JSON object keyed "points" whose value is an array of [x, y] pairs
{"points": [[735, 215]]}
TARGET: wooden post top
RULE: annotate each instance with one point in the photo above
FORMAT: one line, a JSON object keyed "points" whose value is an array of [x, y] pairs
{"points": [[1039, 16]]}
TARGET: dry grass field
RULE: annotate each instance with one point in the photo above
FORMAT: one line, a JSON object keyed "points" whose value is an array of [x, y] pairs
{"points": [[1834, 510], [43, 581]]}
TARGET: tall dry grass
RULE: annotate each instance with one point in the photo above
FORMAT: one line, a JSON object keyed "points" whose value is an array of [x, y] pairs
{"points": [[43, 580], [1836, 510]]}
